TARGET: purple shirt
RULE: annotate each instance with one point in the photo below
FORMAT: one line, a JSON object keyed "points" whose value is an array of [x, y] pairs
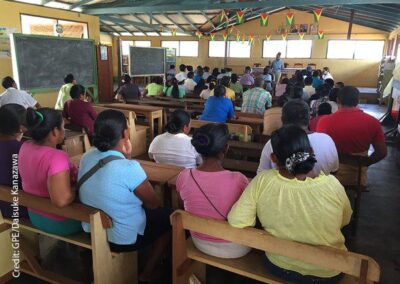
{"points": [[81, 113], [246, 80], [8, 148]]}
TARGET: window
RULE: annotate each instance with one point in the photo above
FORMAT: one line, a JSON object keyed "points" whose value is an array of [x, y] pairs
{"points": [[51, 27], [183, 48], [126, 44], [298, 48], [272, 47], [355, 49], [216, 49]]}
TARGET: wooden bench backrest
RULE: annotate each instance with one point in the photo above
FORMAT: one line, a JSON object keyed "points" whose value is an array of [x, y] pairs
{"points": [[243, 129], [325, 257], [75, 211]]}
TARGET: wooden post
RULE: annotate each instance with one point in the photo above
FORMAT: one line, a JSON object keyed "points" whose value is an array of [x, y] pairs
{"points": [[350, 24]]}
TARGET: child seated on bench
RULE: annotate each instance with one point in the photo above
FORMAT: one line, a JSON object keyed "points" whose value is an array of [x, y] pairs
{"points": [[295, 207], [12, 117], [121, 189], [174, 146], [46, 171], [210, 190]]}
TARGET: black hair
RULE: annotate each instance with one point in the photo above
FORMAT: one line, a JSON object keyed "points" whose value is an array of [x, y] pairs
{"points": [[201, 85], [76, 91], [211, 86], [159, 80], [291, 146], [210, 79], [172, 66], [285, 81], [215, 72], [247, 68], [7, 82], [206, 69], [200, 72], [315, 73], [127, 79], [12, 116], [223, 71], [175, 88], [308, 81], [349, 96], [190, 74], [324, 108], [189, 68], [330, 83], [42, 121], [266, 70], [333, 95], [219, 91], [69, 78], [259, 82], [282, 100], [109, 127], [340, 84], [294, 91], [225, 81], [178, 119], [296, 112], [182, 67], [210, 139], [326, 69], [234, 78]]}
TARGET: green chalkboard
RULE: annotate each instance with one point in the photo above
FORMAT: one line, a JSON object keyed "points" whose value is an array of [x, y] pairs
{"points": [[147, 61]]}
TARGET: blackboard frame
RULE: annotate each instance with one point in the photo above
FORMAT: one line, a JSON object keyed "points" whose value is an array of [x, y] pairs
{"points": [[145, 75], [16, 67]]}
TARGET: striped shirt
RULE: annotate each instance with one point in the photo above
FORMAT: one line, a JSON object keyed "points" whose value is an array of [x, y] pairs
{"points": [[256, 100]]}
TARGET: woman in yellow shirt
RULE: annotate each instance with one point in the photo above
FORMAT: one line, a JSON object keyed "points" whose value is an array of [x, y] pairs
{"points": [[292, 206]]}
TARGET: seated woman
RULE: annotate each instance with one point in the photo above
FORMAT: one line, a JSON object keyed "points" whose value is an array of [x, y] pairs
{"points": [[155, 88], [121, 189], [210, 86], [210, 190], [174, 146], [128, 92], [295, 207], [218, 108], [46, 171], [174, 90], [12, 117]]}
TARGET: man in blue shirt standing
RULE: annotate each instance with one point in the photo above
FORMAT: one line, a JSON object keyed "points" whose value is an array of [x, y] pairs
{"points": [[277, 67]]}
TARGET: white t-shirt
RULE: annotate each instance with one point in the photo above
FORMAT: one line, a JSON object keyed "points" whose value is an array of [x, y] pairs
{"points": [[205, 94], [174, 149], [309, 90], [327, 76], [324, 150], [15, 96], [189, 85], [180, 76]]}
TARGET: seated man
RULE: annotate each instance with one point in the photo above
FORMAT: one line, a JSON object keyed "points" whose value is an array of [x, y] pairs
{"points": [[14, 96], [353, 132], [297, 112], [257, 99]]}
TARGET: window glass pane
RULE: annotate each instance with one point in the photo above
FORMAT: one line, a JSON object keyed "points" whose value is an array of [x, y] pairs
{"points": [[189, 48], [171, 44], [238, 49], [340, 49], [216, 49], [38, 25], [299, 49], [74, 29], [369, 49], [272, 47], [141, 43], [125, 46]]}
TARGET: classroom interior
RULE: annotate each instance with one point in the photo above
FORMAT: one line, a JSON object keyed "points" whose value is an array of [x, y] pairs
{"points": [[358, 40]]}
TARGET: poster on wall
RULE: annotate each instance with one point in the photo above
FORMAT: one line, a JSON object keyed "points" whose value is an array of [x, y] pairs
{"points": [[5, 51]]}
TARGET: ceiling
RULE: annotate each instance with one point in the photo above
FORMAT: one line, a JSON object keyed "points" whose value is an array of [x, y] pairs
{"points": [[160, 17]]}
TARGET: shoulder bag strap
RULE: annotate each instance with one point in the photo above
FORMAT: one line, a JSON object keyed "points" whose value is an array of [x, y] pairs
{"points": [[95, 168], [215, 208]]}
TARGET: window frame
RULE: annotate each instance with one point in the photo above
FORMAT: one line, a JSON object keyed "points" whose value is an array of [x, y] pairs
{"points": [[354, 51], [179, 46], [228, 50]]}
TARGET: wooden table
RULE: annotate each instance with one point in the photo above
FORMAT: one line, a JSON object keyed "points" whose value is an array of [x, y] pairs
{"points": [[248, 114], [151, 113], [255, 123]]}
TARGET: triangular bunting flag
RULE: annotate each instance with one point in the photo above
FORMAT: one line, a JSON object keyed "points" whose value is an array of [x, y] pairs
{"points": [[321, 35], [268, 37], [251, 39], [284, 36], [225, 35], [222, 16], [317, 15], [301, 35], [289, 19], [238, 36], [243, 38], [173, 31], [264, 19], [239, 17], [199, 35], [212, 36], [231, 30]]}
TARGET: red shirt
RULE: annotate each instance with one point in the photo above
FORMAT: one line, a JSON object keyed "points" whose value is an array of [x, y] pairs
{"points": [[352, 130], [314, 122], [80, 113]]}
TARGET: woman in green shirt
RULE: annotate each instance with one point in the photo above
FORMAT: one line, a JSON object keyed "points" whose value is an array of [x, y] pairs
{"points": [[174, 90], [295, 207], [155, 88]]}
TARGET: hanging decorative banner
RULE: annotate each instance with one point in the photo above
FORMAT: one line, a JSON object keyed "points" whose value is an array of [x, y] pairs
{"points": [[199, 35], [222, 16], [251, 39], [173, 31], [231, 30], [284, 36], [321, 35], [289, 19], [301, 35], [239, 17], [243, 38], [264, 19], [238, 36], [225, 35], [317, 15], [212, 36], [268, 37]]}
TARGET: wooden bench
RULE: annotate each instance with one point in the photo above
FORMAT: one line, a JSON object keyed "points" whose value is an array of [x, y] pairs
{"points": [[75, 142], [108, 267], [356, 267], [242, 129], [138, 133]]}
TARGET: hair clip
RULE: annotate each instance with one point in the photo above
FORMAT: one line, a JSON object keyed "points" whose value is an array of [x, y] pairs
{"points": [[295, 159], [40, 115]]}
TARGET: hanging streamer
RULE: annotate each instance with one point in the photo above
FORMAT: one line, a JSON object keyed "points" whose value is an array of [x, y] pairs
{"points": [[264, 19], [284, 36], [173, 31], [243, 38], [301, 35], [199, 35], [251, 39], [289, 19], [212, 36], [321, 35], [239, 17], [225, 36], [317, 15], [238, 36]]}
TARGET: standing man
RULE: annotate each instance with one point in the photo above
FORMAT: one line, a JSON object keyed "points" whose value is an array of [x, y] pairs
{"points": [[277, 67], [63, 94]]}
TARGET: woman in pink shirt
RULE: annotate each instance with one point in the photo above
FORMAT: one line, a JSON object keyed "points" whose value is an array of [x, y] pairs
{"points": [[210, 190], [46, 171]]}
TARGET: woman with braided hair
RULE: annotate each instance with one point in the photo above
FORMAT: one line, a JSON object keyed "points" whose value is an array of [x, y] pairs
{"points": [[293, 206]]}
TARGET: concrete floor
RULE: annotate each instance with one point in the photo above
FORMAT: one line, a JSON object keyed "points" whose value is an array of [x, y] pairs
{"points": [[379, 225]]}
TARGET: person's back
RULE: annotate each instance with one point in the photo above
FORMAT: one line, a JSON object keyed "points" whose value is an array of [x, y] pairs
{"points": [[256, 100], [218, 108], [64, 93], [247, 79], [155, 88], [14, 96], [317, 81], [235, 85], [174, 146], [174, 90], [130, 92], [295, 207], [210, 190], [189, 84]]}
